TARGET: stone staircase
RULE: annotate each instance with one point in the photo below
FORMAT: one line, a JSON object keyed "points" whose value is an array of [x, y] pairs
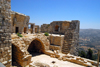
{"points": [[66, 47]]}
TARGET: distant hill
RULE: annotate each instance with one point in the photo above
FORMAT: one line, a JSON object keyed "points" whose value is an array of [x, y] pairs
{"points": [[89, 38]]}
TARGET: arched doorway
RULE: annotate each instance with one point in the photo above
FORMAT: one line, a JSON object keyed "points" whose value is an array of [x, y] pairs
{"points": [[25, 29], [16, 56], [36, 47], [57, 28]]}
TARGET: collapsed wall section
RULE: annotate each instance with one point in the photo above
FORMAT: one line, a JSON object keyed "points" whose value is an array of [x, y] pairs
{"points": [[5, 33]]}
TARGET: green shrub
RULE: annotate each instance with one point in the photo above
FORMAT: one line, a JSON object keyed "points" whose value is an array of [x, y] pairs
{"points": [[19, 35], [46, 34]]}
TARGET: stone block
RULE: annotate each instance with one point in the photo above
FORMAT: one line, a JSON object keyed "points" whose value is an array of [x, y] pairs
{"points": [[57, 56]]}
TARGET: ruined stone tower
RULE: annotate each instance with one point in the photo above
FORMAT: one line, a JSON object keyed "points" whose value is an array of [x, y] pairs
{"points": [[5, 35], [71, 38]]}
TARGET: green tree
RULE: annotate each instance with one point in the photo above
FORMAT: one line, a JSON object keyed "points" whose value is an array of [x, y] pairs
{"points": [[82, 54], [89, 54]]}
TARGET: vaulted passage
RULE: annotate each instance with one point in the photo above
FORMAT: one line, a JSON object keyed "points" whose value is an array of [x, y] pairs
{"points": [[16, 56], [36, 47]]}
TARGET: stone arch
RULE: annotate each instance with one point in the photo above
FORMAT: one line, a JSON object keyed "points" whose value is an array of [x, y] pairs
{"points": [[22, 45], [57, 28], [17, 55], [36, 46]]}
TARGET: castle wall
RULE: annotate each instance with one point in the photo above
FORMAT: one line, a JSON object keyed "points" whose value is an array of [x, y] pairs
{"points": [[70, 29], [37, 29], [44, 28], [56, 42], [19, 20], [5, 33], [62, 26], [71, 38]]}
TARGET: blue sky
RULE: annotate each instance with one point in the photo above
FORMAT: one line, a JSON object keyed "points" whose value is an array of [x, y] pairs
{"points": [[46, 11]]}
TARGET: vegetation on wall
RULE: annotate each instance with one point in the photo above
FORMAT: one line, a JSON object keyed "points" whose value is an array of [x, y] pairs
{"points": [[46, 34], [19, 35]]}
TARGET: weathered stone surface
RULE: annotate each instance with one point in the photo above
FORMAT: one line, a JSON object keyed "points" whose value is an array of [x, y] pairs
{"points": [[21, 47], [5, 32], [71, 31], [71, 38], [57, 27], [37, 29], [56, 40], [20, 21]]}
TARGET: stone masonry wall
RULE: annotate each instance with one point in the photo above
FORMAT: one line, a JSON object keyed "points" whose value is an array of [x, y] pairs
{"points": [[44, 28], [37, 29], [20, 47], [31, 29], [19, 20], [56, 42], [62, 26], [71, 38], [5, 35], [71, 31]]}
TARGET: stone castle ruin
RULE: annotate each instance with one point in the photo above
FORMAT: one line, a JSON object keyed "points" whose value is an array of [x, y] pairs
{"points": [[60, 27], [20, 50], [19, 22], [71, 31]]}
